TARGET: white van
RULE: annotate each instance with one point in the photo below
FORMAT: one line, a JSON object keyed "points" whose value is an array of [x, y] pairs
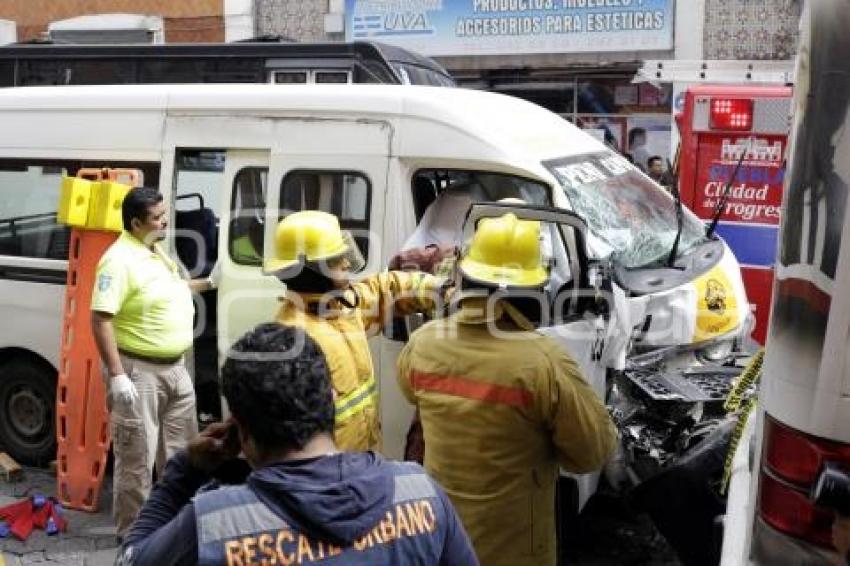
{"points": [[231, 160]]}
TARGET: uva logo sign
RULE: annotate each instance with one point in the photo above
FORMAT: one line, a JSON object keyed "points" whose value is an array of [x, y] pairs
{"points": [[407, 22], [394, 23]]}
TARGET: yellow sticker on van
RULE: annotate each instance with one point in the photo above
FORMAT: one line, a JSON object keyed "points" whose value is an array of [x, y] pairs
{"points": [[717, 305]]}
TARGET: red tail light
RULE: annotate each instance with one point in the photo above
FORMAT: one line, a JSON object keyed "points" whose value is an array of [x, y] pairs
{"points": [[792, 461], [790, 511], [797, 457], [731, 114]]}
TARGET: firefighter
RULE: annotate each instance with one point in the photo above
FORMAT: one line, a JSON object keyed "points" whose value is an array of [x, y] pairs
{"points": [[501, 405], [314, 258]]}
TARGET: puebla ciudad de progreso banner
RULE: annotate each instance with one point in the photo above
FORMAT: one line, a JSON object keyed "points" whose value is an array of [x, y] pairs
{"points": [[502, 27]]}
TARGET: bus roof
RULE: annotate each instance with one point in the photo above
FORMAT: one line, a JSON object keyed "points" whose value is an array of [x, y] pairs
{"points": [[357, 50], [512, 130], [236, 49]]}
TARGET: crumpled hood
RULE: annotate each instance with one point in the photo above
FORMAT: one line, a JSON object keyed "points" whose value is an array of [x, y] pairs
{"points": [[337, 498]]}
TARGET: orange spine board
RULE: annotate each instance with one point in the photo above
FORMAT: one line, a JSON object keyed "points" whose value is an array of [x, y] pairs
{"points": [[82, 418]]}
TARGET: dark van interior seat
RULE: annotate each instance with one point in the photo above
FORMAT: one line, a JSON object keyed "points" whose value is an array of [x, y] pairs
{"points": [[198, 253]]}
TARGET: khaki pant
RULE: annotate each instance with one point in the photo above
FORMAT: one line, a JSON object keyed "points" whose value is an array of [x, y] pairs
{"points": [[159, 424]]}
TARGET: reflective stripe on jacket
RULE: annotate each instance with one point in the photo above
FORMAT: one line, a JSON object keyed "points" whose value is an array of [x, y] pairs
{"points": [[500, 412], [235, 527], [342, 336]]}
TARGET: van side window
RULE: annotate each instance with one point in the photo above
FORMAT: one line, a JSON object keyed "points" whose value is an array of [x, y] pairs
{"points": [[442, 197], [248, 205], [29, 199], [345, 194], [197, 194], [478, 186]]}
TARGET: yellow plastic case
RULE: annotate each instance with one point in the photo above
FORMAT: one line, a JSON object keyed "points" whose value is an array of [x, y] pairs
{"points": [[74, 200], [105, 207]]}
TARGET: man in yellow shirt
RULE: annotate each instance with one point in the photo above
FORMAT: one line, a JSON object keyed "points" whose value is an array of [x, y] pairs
{"points": [[502, 406], [142, 316]]}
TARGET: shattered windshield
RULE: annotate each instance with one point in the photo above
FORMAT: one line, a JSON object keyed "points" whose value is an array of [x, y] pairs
{"points": [[625, 209]]}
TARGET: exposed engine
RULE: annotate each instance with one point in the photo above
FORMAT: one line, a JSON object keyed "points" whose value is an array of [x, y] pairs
{"points": [[663, 408]]}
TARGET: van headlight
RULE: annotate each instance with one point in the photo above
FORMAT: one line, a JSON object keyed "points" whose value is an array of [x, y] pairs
{"points": [[715, 352]]}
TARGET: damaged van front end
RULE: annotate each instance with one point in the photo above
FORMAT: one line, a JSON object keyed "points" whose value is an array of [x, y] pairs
{"points": [[678, 321]]}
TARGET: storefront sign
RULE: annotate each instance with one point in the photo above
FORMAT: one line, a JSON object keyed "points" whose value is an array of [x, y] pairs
{"points": [[504, 27]]}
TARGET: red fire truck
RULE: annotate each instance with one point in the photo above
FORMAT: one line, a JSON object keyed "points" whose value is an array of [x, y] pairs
{"points": [[741, 131]]}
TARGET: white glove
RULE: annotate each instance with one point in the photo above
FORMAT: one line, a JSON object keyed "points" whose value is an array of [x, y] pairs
{"points": [[122, 390], [214, 278]]}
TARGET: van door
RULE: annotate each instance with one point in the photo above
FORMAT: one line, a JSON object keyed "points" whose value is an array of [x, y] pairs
{"points": [[340, 167], [246, 297]]}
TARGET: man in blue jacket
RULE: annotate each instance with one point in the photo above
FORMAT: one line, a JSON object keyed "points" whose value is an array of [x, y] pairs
{"points": [[304, 502]]}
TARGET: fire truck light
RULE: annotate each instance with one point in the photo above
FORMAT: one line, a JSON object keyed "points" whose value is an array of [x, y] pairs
{"points": [[731, 114]]}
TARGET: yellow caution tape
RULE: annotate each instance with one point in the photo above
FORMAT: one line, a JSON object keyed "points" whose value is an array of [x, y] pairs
{"points": [[742, 383], [743, 417]]}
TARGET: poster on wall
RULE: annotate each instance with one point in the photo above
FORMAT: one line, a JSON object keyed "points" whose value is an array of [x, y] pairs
{"points": [[648, 136], [625, 95], [610, 130], [505, 27]]}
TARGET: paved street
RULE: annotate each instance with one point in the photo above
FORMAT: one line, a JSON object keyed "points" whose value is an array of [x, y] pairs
{"points": [[609, 533], [89, 540]]}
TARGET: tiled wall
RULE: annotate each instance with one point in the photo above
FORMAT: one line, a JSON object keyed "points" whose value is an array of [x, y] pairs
{"points": [[750, 29], [302, 20]]}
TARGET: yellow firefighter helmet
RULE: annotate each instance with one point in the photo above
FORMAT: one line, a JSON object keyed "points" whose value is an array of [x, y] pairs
{"points": [[505, 252], [311, 236]]}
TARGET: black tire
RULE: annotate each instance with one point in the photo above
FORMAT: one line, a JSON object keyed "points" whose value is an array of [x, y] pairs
{"points": [[28, 411]]}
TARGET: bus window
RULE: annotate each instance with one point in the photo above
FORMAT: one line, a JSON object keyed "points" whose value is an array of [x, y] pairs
{"points": [[7, 73], [302, 76], [332, 77], [289, 77], [347, 195], [108, 71], [76, 72], [200, 70]]}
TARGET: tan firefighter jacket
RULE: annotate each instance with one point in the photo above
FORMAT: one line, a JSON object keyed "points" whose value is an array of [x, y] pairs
{"points": [[500, 414], [341, 332]]}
